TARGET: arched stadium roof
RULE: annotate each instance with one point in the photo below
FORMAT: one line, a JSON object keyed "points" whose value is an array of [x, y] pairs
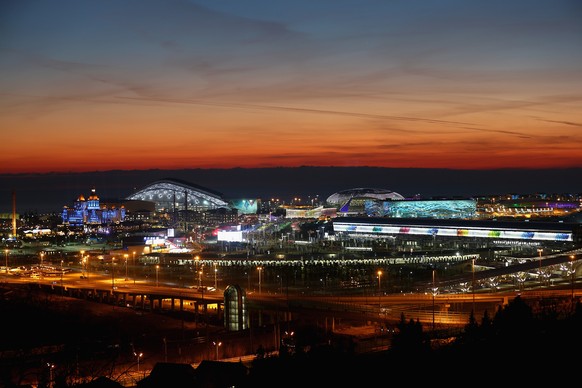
{"points": [[341, 197], [176, 195]]}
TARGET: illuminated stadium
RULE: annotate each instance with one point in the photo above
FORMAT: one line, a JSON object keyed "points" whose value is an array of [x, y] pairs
{"points": [[353, 200], [175, 195], [476, 229]]}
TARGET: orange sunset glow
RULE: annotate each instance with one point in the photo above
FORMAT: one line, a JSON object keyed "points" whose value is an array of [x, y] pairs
{"points": [[204, 84]]}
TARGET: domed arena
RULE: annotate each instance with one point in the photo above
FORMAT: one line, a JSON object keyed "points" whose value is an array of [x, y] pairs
{"points": [[349, 197]]}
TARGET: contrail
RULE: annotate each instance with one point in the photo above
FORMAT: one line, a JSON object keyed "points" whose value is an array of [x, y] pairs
{"points": [[291, 109]]}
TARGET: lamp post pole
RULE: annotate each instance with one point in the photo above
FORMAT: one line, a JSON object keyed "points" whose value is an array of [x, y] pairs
{"points": [[540, 251], [572, 279], [473, 283], [126, 275], [134, 268], [138, 356], [41, 263], [6, 255], [112, 274], [379, 288], [216, 345], [200, 276], [197, 260], [433, 295], [215, 280], [157, 272], [259, 269], [83, 262]]}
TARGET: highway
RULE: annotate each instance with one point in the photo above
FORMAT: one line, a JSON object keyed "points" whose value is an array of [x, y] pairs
{"points": [[434, 307]]}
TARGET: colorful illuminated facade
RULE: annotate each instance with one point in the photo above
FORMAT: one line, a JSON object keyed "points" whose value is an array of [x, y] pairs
{"points": [[442, 209], [378, 227], [90, 211]]}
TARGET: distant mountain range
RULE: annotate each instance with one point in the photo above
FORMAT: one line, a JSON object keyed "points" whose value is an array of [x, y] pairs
{"points": [[50, 192]]}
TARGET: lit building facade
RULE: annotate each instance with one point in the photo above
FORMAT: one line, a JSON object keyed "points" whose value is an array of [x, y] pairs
{"points": [[91, 211], [443, 209]]}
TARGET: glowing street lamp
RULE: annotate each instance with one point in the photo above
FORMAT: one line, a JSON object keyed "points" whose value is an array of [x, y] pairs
{"points": [[41, 262], [125, 256], [51, 368], [473, 283], [540, 251], [379, 283], [434, 292], [215, 273], [259, 269], [573, 272], [157, 275], [134, 268], [197, 260], [216, 346], [112, 274], [138, 356], [6, 254], [83, 262]]}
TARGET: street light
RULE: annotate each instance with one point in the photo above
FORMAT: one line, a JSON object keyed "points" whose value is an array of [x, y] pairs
{"points": [[379, 284], [61, 274], [540, 251], [215, 273], [216, 345], [138, 356], [41, 262], [125, 256], [434, 290], [197, 260], [259, 269], [51, 368], [134, 268], [112, 274], [157, 272], [473, 284], [572, 278], [6, 254]]}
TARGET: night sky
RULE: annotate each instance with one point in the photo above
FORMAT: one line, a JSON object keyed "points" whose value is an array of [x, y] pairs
{"points": [[51, 192]]}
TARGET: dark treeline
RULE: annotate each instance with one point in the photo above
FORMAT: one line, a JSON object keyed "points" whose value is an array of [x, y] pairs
{"points": [[511, 345]]}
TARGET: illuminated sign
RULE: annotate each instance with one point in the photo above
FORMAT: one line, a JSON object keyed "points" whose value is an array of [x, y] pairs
{"points": [[236, 236]]}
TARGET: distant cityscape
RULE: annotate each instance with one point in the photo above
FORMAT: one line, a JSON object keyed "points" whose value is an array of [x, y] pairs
{"points": [[173, 215], [170, 239]]}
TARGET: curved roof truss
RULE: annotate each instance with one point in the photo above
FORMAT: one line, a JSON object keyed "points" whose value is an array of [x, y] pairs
{"points": [[174, 195]]}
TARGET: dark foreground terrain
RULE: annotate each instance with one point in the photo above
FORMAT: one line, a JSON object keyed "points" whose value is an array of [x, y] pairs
{"points": [[50, 338]]}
